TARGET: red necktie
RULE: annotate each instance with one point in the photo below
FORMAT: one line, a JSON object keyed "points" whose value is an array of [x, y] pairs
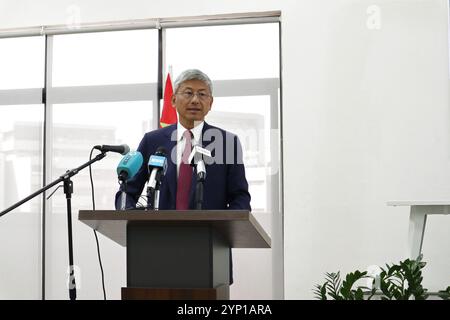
{"points": [[185, 175]]}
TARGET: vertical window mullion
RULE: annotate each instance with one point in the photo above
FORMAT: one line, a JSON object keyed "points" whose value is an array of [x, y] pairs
{"points": [[47, 151]]}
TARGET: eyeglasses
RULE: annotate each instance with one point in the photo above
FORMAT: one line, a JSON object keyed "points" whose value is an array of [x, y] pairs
{"points": [[188, 95]]}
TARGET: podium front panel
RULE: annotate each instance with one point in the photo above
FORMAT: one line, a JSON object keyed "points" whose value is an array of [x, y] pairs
{"points": [[161, 256]]}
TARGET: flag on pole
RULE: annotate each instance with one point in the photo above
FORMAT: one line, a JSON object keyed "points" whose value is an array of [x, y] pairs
{"points": [[169, 113]]}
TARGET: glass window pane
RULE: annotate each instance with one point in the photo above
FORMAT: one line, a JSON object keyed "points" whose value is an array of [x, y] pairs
{"points": [[249, 117], [74, 135], [232, 53], [119, 57], [227, 52], [229, 113], [22, 63], [21, 175]]}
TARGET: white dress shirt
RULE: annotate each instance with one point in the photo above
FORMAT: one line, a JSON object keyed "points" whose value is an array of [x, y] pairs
{"points": [[181, 141]]}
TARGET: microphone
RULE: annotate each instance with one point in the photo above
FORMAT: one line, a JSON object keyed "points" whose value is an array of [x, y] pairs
{"points": [[196, 160], [156, 163], [157, 166], [122, 149], [129, 165], [126, 169]]}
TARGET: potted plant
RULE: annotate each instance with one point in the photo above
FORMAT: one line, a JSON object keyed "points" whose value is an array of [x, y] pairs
{"points": [[402, 281]]}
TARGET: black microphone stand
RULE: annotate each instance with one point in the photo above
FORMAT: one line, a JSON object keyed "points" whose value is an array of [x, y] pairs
{"points": [[150, 198], [68, 190], [199, 188], [199, 194], [123, 178]]}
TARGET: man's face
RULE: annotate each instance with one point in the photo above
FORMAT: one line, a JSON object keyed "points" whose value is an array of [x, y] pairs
{"points": [[193, 101]]}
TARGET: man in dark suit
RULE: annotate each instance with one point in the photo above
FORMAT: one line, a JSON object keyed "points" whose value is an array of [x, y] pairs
{"points": [[225, 186]]}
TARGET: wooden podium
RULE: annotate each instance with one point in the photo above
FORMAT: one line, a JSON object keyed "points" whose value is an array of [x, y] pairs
{"points": [[178, 254]]}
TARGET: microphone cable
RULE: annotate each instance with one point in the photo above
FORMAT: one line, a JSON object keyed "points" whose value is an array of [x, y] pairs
{"points": [[95, 232]]}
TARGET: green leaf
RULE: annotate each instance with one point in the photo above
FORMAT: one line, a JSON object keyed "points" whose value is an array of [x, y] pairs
{"points": [[350, 279], [359, 295], [321, 291], [333, 285], [444, 294], [397, 281]]}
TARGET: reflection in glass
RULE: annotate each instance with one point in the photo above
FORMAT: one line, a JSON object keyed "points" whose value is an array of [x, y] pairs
{"points": [[79, 127], [21, 175], [230, 113], [76, 129], [234, 52]]}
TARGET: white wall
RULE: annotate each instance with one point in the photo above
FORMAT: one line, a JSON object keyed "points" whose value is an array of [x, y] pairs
{"points": [[370, 123], [365, 120]]}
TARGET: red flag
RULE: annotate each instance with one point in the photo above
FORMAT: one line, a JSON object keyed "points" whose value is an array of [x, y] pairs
{"points": [[169, 113]]}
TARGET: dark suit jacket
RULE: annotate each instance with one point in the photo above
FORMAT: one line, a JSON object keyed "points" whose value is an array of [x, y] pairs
{"points": [[225, 186]]}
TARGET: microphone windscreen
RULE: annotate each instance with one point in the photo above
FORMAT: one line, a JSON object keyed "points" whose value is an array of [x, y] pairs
{"points": [[130, 163]]}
